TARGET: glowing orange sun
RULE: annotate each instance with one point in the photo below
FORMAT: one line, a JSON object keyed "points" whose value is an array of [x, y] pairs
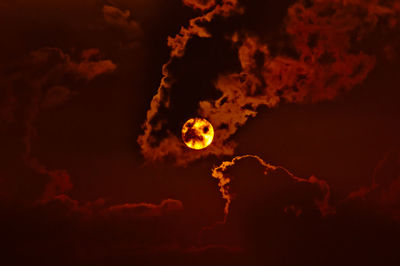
{"points": [[197, 133]]}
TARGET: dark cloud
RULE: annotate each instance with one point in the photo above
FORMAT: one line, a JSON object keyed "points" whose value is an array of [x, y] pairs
{"points": [[383, 193], [66, 231], [277, 219], [39, 82], [320, 199], [274, 218]]}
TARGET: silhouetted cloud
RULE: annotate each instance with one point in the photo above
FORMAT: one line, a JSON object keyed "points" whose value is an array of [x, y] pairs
{"points": [[278, 218], [321, 199]]}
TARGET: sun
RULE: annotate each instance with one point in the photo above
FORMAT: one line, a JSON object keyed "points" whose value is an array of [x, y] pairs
{"points": [[197, 133]]}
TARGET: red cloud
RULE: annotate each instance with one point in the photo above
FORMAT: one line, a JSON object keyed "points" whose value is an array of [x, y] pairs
{"points": [[55, 96], [152, 148], [326, 65], [147, 209], [125, 211], [121, 19], [200, 4], [91, 69]]}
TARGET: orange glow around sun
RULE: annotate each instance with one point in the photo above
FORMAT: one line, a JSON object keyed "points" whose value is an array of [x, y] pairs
{"points": [[197, 133]]}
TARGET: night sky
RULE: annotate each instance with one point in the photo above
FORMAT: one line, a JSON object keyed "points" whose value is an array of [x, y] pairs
{"points": [[303, 96]]}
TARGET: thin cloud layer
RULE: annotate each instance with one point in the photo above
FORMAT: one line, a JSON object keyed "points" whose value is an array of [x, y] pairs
{"points": [[147, 209]]}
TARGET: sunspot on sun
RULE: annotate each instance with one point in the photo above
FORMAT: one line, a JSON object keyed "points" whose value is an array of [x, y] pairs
{"points": [[197, 133]]}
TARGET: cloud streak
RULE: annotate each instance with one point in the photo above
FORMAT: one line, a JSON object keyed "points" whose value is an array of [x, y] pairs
{"points": [[200, 4]]}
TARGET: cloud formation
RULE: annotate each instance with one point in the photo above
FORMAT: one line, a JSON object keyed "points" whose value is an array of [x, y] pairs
{"points": [[327, 65], [153, 148], [77, 231], [321, 201], [200, 4], [147, 209], [280, 219], [324, 35], [39, 83], [121, 19], [383, 193]]}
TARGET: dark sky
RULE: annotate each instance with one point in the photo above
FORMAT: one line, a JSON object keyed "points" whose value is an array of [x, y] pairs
{"points": [[303, 96]]}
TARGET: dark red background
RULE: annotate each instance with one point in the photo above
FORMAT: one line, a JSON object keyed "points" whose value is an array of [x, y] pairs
{"points": [[351, 142]]}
